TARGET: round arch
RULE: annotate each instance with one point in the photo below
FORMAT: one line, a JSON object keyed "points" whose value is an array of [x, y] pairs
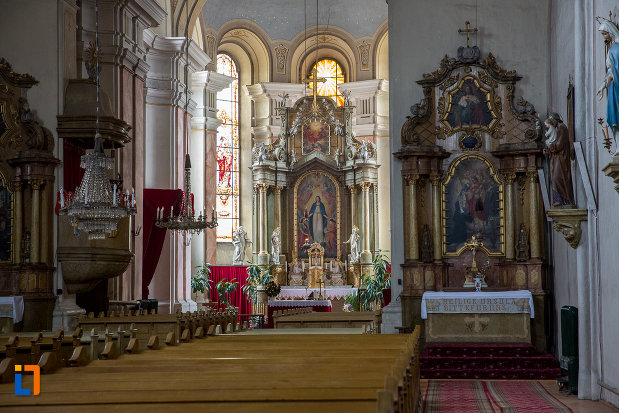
{"points": [[253, 46]]}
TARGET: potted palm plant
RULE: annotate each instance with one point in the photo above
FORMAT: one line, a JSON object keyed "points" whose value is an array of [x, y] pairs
{"points": [[373, 283], [201, 282], [257, 280], [224, 289]]}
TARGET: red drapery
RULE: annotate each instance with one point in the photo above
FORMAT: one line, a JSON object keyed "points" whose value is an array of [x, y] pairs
{"points": [[72, 172], [153, 236], [236, 273]]}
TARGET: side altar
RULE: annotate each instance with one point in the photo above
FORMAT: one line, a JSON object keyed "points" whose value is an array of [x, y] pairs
{"points": [[315, 193], [470, 157]]}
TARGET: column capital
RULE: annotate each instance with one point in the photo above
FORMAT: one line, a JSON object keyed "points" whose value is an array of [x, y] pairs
{"points": [[365, 186], [375, 187], [532, 176], [510, 177], [262, 188], [353, 188], [410, 179], [277, 190], [36, 184], [435, 179], [17, 186]]}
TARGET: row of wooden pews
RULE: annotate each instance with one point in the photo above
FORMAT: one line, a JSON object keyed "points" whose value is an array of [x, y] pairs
{"points": [[368, 321], [258, 372], [110, 336]]}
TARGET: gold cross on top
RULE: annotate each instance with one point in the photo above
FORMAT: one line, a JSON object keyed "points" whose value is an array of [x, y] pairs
{"points": [[315, 79], [468, 30]]}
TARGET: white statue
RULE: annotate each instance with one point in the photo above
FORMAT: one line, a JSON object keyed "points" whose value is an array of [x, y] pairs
{"points": [[366, 151], [261, 153], [275, 245], [347, 99], [354, 245], [283, 97], [240, 242]]}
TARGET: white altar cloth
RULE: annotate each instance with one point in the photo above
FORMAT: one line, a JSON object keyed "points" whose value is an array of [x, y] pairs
{"points": [[520, 301], [300, 303], [12, 307], [330, 292]]}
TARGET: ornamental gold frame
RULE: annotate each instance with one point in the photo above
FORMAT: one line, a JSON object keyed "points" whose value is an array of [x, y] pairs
{"points": [[322, 121], [490, 103], [446, 180], [295, 249]]}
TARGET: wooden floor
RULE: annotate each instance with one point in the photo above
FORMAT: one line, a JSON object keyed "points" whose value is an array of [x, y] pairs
{"points": [[229, 373]]}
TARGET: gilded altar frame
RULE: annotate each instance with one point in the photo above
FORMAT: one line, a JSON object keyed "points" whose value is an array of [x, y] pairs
{"points": [[295, 249], [494, 174], [492, 102]]}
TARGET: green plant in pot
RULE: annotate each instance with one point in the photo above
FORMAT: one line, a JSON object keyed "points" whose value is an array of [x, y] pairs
{"points": [[372, 285], [201, 281], [258, 277], [224, 289]]}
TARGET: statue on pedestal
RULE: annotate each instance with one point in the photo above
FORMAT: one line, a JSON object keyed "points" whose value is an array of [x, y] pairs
{"points": [[522, 248], [275, 245], [560, 150], [354, 245], [240, 243], [610, 32]]}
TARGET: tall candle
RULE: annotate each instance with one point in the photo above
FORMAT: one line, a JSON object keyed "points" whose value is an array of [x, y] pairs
{"points": [[61, 198], [171, 211], [86, 196], [114, 196], [158, 214], [132, 198]]}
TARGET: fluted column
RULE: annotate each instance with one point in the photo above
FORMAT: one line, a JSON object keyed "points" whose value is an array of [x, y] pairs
{"points": [[263, 255], [375, 216], [35, 221], [436, 217], [536, 245], [353, 205], [411, 236], [277, 203], [17, 193], [44, 226], [510, 224]]}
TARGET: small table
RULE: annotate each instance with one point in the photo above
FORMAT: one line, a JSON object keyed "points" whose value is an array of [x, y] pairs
{"points": [[319, 306], [487, 317]]}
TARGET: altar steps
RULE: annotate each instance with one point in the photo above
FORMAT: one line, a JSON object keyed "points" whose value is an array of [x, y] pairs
{"points": [[487, 361]]}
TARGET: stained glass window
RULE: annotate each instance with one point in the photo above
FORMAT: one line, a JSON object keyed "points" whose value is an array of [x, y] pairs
{"points": [[228, 153], [332, 71]]}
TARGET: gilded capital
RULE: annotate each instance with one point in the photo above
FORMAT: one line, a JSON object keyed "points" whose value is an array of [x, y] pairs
{"points": [[277, 190], [17, 185], [365, 186], [36, 184], [510, 177], [532, 176], [263, 188], [353, 189], [435, 179], [410, 179]]}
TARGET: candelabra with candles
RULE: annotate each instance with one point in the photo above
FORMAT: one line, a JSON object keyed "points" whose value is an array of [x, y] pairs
{"points": [[186, 221]]}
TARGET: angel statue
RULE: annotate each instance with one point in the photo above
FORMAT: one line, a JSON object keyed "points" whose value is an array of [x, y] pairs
{"points": [[347, 99], [275, 245], [354, 245], [610, 32], [283, 97], [240, 241]]}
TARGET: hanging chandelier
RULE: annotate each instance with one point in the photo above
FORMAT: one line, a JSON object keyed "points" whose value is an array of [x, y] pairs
{"points": [[97, 206], [186, 221]]}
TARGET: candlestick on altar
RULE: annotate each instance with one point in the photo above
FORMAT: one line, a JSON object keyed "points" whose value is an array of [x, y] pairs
{"points": [[61, 198], [171, 211], [132, 198], [114, 196]]}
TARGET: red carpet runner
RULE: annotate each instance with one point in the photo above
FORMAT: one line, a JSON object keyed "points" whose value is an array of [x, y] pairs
{"points": [[487, 362], [489, 397]]}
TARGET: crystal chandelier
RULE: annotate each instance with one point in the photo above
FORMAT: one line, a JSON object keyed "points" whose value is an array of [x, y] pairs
{"points": [[96, 206], [186, 222]]}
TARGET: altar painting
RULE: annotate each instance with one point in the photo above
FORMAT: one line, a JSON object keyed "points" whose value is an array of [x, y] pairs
{"points": [[469, 106], [317, 214], [5, 223], [316, 136], [473, 205]]}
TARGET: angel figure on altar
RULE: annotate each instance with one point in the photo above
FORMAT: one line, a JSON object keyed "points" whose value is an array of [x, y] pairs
{"points": [[240, 241], [354, 245], [275, 245]]}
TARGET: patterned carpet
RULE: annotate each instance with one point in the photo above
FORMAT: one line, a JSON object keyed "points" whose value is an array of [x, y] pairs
{"points": [[489, 397]]}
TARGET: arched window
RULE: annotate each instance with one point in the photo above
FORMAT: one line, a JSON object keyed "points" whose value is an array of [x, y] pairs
{"points": [[228, 153], [332, 71]]}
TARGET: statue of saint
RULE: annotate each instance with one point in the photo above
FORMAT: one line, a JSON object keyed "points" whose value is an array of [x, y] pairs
{"points": [[318, 221], [559, 149], [522, 248], [610, 32], [354, 245], [275, 245], [240, 243], [427, 248]]}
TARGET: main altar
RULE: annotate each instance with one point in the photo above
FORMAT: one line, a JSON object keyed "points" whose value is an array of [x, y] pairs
{"points": [[470, 157], [315, 195]]}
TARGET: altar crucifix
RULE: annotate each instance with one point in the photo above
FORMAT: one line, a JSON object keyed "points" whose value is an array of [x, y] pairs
{"points": [[315, 79], [468, 31], [473, 245]]}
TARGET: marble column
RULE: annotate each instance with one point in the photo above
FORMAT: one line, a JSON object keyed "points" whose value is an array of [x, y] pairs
{"points": [[365, 188], [411, 236], [436, 217], [277, 203], [353, 205], [510, 223], [44, 226], [534, 232], [17, 193], [263, 255], [375, 216], [35, 221]]}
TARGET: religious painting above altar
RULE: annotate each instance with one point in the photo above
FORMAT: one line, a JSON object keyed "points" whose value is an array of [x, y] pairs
{"points": [[317, 212], [472, 205], [316, 137], [469, 105]]}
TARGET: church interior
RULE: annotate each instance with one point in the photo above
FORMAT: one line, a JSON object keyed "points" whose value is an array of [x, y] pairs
{"points": [[346, 205]]}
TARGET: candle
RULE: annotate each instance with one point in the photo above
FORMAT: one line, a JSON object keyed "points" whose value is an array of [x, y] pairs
{"points": [[171, 211], [132, 198], [157, 215], [86, 196], [61, 198], [303, 265], [213, 213], [114, 196]]}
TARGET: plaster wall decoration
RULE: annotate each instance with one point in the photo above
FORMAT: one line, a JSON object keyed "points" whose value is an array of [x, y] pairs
{"points": [[281, 52], [210, 46], [364, 54]]}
